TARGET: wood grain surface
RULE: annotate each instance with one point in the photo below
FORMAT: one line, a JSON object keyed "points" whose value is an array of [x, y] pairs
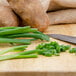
{"points": [[63, 65]]}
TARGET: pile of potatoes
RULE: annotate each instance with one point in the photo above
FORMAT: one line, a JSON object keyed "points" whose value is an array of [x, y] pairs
{"points": [[37, 13]]}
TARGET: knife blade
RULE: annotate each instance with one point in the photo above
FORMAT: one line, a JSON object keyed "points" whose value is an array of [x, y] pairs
{"points": [[65, 38]]}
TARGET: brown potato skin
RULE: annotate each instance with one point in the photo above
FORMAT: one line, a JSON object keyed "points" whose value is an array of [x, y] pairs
{"points": [[4, 2], [54, 5], [63, 16], [31, 12], [7, 17], [66, 3], [51, 5], [45, 4]]}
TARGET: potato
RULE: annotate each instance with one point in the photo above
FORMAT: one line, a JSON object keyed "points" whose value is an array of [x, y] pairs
{"points": [[50, 5], [45, 4], [31, 12], [61, 4], [63, 16], [7, 17], [53, 6], [66, 3], [4, 3]]}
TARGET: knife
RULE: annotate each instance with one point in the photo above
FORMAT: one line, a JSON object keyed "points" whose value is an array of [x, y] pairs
{"points": [[65, 38]]}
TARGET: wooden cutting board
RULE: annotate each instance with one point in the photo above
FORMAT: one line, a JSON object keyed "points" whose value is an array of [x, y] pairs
{"points": [[65, 64]]}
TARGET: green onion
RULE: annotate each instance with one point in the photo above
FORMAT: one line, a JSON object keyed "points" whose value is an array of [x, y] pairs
{"points": [[27, 56], [21, 41], [64, 48], [16, 56], [73, 50], [48, 54], [5, 28], [53, 48], [7, 57], [33, 35], [45, 36], [14, 49], [17, 30]]}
